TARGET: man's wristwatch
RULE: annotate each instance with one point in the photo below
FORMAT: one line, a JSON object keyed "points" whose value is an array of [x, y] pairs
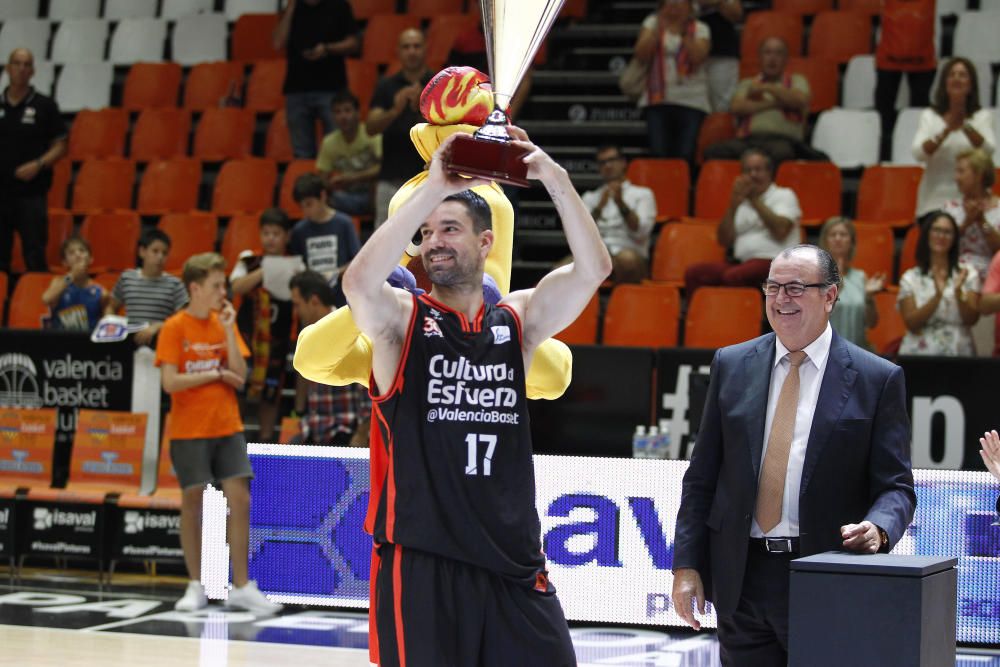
{"points": [[883, 538]]}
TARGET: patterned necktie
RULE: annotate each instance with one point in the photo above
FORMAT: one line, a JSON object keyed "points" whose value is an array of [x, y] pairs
{"points": [[772, 479]]}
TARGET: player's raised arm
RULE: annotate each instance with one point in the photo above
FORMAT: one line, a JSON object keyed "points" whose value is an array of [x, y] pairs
{"points": [[375, 305], [562, 294]]}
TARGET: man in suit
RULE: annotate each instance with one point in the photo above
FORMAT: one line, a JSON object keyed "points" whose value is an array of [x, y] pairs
{"points": [[803, 448]]}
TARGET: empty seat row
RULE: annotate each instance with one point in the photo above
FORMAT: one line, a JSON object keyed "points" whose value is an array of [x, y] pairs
{"points": [[116, 10]]}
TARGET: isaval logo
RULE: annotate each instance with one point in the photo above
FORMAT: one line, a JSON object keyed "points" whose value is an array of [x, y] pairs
{"points": [[46, 518], [4, 518], [137, 522]]}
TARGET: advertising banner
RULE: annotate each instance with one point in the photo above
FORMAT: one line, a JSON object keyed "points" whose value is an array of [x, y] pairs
{"points": [[6, 528], [61, 529], [607, 531], [147, 534]]}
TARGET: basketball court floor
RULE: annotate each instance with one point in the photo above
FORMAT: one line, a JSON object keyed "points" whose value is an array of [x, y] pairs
{"points": [[67, 619]]}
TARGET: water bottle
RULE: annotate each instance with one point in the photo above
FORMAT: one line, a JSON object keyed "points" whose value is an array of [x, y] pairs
{"points": [[639, 442], [663, 446], [652, 438]]}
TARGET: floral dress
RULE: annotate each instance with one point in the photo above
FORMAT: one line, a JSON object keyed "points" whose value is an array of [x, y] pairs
{"points": [[943, 334]]}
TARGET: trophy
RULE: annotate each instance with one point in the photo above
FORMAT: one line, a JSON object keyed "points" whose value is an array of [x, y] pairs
{"points": [[514, 30]]}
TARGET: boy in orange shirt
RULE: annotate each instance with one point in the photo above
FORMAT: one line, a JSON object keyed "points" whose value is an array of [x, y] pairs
{"points": [[203, 362]]}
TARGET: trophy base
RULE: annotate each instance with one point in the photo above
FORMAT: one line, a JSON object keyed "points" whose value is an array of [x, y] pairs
{"points": [[494, 160]]}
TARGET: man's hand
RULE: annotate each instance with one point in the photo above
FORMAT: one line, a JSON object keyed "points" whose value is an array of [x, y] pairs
{"points": [[315, 53], [28, 171], [687, 585], [540, 164], [862, 538], [991, 452], [227, 315], [439, 177], [234, 380], [408, 96], [614, 189], [742, 190], [145, 336], [78, 270]]}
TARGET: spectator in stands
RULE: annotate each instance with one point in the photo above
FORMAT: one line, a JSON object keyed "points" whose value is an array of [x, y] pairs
{"points": [[991, 455], [761, 221], [203, 362], [723, 64], [954, 123], [148, 294], [395, 108], [977, 211], [905, 46], [349, 158], [771, 108], [265, 319], [33, 137], [854, 310], [325, 239], [624, 214], [989, 300], [318, 35], [675, 103], [939, 297], [75, 300], [331, 415]]}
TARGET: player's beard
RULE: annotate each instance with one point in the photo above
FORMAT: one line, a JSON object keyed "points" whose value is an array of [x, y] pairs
{"points": [[455, 274]]}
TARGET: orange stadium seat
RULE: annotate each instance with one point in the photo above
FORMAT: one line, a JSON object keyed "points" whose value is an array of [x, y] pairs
{"points": [[37, 451], [103, 185], [4, 287], [761, 25], [62, 171], [680, 246], [285, 199], [169, 186], [382, 36], [576, 9], [224, 134], [242, 233], [264, 86], [718, 126], [251, 38], [714, 188], [209, 83], [98, 134], [160, 134], [26, 306], [670, 181], [244, 186], [444, 28], [885, 335], [874, 250], [823, 78], [113, 238], [107, 280], [151, 86], [908, 253], [277, 141], [190, 234], [802, 7], [361, 79], [817, 186], [583, 330], [867, 7], [428, 9], [642, 316], [888, 193], [167, 494], [720, 316], [365, 9], [838, 36]]}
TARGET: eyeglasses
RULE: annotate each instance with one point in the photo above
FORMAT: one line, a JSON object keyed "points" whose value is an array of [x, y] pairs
{"points": [[771, 288]]}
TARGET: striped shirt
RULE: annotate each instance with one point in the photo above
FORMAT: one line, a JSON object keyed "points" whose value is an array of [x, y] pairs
{"points": [[149, 299]]}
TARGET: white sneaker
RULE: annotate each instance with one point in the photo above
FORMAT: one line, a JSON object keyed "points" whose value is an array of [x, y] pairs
{"points": [[194, 598], [249, 598]]}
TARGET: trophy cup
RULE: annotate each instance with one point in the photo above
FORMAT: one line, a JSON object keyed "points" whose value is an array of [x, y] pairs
{"points": [[514, 30]]}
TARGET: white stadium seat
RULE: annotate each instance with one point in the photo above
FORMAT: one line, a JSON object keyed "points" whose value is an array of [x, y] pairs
{"points": [[116, 10], [236, 8], [174, 9], [907, 122], [84, 86], [199, 39], [138, 40], [976, 36], [60, 10], [849, 136], [18, 9], [31, 34], [79, 41]]}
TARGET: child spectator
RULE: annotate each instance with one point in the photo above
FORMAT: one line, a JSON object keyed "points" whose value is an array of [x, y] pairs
{"points": [[203, 361], [75, 300], [325, 239], [265, 320], [149, 294]]}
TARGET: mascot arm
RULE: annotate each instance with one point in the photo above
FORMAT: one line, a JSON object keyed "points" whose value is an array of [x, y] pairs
{"points": [[334, 351], [551, 370]]}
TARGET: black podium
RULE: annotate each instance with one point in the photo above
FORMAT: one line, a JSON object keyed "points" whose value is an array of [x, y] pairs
{"points": [[876, 610]]}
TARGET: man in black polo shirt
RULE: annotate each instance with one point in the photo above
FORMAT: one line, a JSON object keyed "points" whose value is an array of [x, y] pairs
{"points": [[395, 108], [318, 34], [32, 138]]}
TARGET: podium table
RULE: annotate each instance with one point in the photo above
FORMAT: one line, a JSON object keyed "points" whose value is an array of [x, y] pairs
{"points": [[872, 610]]}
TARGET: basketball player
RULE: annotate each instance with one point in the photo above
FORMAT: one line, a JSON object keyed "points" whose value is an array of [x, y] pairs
{"points": [[458, 574]]}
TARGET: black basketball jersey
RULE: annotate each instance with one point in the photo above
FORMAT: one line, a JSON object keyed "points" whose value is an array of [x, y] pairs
{"points": [[452, 470]]}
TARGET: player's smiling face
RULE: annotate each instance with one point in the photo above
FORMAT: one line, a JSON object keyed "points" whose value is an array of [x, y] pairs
{"points": [[451, 251]]}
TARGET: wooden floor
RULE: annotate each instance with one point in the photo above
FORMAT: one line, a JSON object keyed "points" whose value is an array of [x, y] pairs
{"points": [[53, 647]]}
